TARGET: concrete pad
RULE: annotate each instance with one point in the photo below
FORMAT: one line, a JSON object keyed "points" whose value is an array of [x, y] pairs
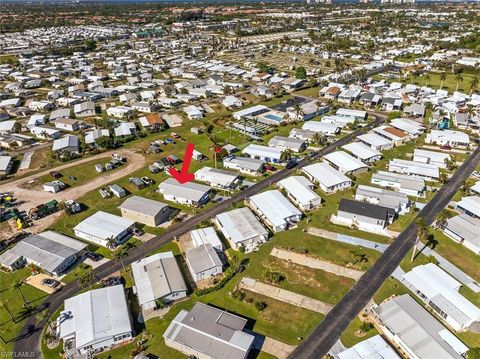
{"points": [[36, 281], [93, 264]]}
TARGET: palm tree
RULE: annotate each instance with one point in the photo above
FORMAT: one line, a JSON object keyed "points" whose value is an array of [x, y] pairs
{"points": [[464, 188], [119, 255], [87, 280], [473, 84], [422, 233], [4, 304], [298, 111], [443, 77], [442, 217], [286, 155], [427, 78], [443, 178], [459, 79], [17, 285], [111, 243]]}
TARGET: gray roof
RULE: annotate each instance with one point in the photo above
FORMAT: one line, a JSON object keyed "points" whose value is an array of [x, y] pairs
{"points": [[248, 163], [210, 331], [191, 191], [96, 315], [65, 142], [61, 112], [203, 258], [386, 198], [157, 276], [240, 225], [48, 249], [421, 332], [365, 209], [465, 227], [406, 182], [286, 142], [103, 225], [143, 205]]}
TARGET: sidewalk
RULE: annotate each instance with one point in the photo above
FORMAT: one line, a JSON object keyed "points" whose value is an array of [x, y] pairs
{"points": [[381, 247], [316, 263], [283, 295]]}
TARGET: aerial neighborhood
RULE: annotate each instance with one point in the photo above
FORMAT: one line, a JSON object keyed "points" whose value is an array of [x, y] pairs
{"points": [[232, 181]]}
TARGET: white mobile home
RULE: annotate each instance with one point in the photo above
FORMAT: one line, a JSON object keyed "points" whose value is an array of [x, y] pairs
{"points": [[328, 178]]}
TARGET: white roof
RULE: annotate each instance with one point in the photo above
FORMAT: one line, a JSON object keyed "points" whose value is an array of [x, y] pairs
{"points": [[300, 188], [249, 111], [448, 135], [407, 125], [414, 168], [326, 174], [438, 286], [361, 150], [216, 176], [372, 348], [374, 140], [416, 328], [351, 113], [206, 235], [434, 156], [471, 204], [240, 225], [317, 126], [157, 276], [275, 206], [95, 315], [343, 160], [263, 151], [104, 225]]}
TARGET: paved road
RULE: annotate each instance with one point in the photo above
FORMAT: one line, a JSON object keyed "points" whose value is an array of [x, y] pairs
{"points": [[330, 329], [30, 334]]}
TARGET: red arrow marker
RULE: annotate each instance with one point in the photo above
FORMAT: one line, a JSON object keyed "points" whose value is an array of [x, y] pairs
{"points": [[184, 176]]}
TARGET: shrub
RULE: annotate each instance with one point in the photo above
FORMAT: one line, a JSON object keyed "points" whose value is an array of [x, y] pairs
{"points": [[260, 306], [274, 277]]}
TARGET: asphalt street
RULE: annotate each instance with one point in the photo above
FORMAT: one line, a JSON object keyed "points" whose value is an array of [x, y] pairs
{"points": [[29, 338], [331, 328]]}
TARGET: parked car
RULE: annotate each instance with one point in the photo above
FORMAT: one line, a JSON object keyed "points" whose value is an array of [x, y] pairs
{"points": [[49, 282], [55, 174], [291, 163], [137, 232], [105, 193], [110, 282], [93, 256], [147, 180], [176, 135], [117, 157], [169, 140], [269, 167], [446, 147]]}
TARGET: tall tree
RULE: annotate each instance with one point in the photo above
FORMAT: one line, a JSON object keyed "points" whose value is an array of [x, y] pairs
{"points": [[422, 233]]}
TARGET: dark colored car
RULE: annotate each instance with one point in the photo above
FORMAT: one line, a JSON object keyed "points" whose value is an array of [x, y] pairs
{"points": [[291, 163], [93, 256], [55, 174], [269, 168], [49, 282], [446, 147]]}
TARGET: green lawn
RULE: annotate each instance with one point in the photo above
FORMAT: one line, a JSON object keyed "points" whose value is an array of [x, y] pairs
{"points": [[450, 83], [14, 303], [349, 339]]}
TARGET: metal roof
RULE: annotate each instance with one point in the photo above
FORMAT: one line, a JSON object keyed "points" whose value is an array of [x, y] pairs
{"points": [[240, 225], [143, 205], [275, 207], [416, 328], [365, 209], [95, 315], [48, 249], [345, 161], [326, 174], [190, 191], [211, 331], [103, 225], [157, 276], [203, 258]]}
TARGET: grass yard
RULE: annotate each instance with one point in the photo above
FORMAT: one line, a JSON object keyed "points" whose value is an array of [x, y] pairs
{"points": [[13, 301], [349, 339], [450, 83]]}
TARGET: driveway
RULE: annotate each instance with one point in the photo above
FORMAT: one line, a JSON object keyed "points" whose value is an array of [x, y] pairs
{"points": [[29, 198], [316, 263], [283, 295]]}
